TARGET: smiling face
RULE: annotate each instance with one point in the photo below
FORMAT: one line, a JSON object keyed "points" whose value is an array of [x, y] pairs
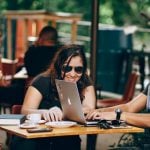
{"points": [[73, 70]]}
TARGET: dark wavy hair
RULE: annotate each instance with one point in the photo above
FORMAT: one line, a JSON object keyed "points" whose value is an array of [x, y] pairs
{"points": [[65, 52]]}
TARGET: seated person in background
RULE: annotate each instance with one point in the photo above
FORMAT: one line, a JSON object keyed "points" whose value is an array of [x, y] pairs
{"points": [[11, 91], [70, 65], [36, 60], [129, 111], [39, 56]]}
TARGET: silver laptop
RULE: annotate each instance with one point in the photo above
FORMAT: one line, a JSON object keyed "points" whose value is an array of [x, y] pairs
{"points": [[71, 103]]}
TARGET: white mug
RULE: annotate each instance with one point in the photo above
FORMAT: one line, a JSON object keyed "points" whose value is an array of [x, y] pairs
{"points": [[35, 118]]}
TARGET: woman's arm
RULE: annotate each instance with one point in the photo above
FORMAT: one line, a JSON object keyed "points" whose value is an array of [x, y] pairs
{"points": [[31, 104], [89, 100], [32, 101]]}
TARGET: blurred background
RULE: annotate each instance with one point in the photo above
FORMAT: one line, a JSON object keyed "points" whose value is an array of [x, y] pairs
{"points": [[122, 35]]}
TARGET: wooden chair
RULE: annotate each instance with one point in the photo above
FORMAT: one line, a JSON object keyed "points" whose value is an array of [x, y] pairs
{"points": [[16, 109], [127, 96]]}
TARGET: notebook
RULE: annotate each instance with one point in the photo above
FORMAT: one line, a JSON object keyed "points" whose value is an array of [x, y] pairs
{"points": [[12, 119], [71, 103]]}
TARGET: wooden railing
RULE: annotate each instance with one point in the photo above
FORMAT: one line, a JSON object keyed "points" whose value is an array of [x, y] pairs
{"points": [[33, 21], [70, 27]]}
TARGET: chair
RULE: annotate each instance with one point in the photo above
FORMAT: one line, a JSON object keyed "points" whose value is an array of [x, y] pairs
{"points": [[127, 95], [16, 109]]}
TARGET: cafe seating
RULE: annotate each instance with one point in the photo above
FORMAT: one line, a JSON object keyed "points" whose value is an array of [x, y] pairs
{"points": [[9, 68], [16, 109], [5, 106], [127, 95]]}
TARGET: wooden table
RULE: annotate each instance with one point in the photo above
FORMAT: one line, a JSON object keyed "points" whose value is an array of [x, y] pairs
{"points": [[76, 130]]}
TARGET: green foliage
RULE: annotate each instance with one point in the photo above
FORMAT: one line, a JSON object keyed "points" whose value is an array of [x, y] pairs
{"points": [[106, 13], [121, 12], [117, 12], [142, 4], [2, 4], [24, 4], [72, 6]]}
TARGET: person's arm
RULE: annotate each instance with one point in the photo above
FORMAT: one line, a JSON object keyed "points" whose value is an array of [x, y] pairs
{"points": [[32, 101], [89, 99], [31, 104], [135, 105], [137, 119]]}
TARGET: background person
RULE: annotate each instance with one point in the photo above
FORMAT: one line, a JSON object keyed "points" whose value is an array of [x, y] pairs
{"points": [[39, 56], [70, 65], [129, 111], [11, 91]]}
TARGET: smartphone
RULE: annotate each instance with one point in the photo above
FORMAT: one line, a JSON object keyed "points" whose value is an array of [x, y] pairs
{"points": [[36, 130]]}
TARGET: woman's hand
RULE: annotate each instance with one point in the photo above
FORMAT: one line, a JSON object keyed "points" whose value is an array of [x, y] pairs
{"points": [[91, 114], [87, 110], [96, 114], [53, 114]]}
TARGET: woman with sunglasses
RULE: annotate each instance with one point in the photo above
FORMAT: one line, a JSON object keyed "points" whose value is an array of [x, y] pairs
{"points": [[70, 65]]}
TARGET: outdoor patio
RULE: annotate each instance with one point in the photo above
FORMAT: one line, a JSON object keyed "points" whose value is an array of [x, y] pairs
{"points": [[115, 45]]}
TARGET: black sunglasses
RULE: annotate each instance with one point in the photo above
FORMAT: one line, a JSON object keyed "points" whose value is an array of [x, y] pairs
{"points": [[78, 69]]}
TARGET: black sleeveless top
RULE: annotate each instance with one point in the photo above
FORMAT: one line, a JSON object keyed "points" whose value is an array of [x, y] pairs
{"points": [[49, 98], [43, 85]]}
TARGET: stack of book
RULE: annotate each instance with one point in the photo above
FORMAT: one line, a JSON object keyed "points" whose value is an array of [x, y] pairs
{"points": [[12, 119]]}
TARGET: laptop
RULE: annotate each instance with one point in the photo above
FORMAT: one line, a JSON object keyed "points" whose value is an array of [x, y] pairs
{"points": [[71, 103]]}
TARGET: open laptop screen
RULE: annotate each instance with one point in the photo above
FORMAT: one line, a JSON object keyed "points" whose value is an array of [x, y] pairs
{"points": [[70, 101]]}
